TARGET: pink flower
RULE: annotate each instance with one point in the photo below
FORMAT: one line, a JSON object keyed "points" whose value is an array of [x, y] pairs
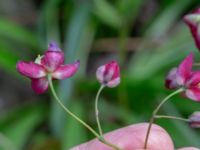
{"points": [[109, 74], [184, 77], [193, 21], [194, 120], [51, 63]]}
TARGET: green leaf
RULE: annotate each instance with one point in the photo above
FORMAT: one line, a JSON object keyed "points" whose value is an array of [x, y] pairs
{"points": [[147, 63], [129, 9], [108, 13], [77, 43], [166, 18], [16, 32], [48, 27], [20, 129], [8, 59]]}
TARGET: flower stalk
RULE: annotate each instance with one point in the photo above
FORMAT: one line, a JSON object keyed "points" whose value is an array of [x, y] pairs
{"points": [[171, 117], [155, 113], [97, 110], [77, 118]]}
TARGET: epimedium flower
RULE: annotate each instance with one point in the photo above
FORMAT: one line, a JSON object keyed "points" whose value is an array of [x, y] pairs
{"points": [[184, 77], [193, 22], [194, 120], [109, 74], [51, 63]]}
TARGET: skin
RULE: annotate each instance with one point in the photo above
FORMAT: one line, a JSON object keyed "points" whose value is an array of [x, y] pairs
{"points": [[132, 138]]}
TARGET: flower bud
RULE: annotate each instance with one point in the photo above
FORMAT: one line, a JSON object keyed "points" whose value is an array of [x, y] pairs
{"points": [[194, 120], [109, 74], [193, 22]]}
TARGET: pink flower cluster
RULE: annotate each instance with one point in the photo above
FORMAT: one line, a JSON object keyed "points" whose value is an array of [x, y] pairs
{"points": [[184, 77], [52, 64]]}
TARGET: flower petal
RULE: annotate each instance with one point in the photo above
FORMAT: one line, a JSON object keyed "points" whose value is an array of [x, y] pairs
{"points": [[193, 22], [194, 79], [111, 71], [52, 60], [39, 85], [184, 70], [66, 71], [114, 82], [100, 74], [194, 120], [53, 47], [109, 74], [193, 93], [170, 81], [31, 69]]}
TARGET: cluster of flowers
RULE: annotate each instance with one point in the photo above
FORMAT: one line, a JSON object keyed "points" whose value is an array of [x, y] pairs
{"points": [[183, 76], [52, 64]]}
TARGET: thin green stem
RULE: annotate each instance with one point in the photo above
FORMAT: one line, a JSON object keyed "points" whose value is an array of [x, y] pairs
{"points": [[97, 110], [77, 118], [109, 144], [156, 111], [171, 117], [68, 111], [196, 64]]}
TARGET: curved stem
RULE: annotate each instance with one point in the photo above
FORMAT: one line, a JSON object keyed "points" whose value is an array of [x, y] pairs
{"points": [[156, 111], [68, 111], [97, 110], [77, 118], [171, 117]]}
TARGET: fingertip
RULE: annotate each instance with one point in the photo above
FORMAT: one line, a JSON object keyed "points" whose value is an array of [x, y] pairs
{"points": [[132, 138]]}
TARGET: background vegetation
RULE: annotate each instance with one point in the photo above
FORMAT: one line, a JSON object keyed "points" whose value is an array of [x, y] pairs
{"points": [[147, 37]]}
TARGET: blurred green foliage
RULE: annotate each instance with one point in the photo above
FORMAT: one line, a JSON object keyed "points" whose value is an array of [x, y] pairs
{"points": [[76, 25]]}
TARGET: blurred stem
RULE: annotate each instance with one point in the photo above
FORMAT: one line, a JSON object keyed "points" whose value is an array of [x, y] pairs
{"points": [[97, 110], [123, 35], [196, 64], [67, 110], [77, 118], [155, 113], [171, 117]]}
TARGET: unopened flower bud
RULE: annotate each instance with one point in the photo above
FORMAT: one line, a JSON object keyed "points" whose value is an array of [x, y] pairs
{"points": [[194, 120], [109, 74], [193, 22]]}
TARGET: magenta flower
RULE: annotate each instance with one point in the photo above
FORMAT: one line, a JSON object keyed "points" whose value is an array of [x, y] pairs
{"points": [[51, 63], [193, 22], [194, 120], [184, 77], [109, 74]]}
